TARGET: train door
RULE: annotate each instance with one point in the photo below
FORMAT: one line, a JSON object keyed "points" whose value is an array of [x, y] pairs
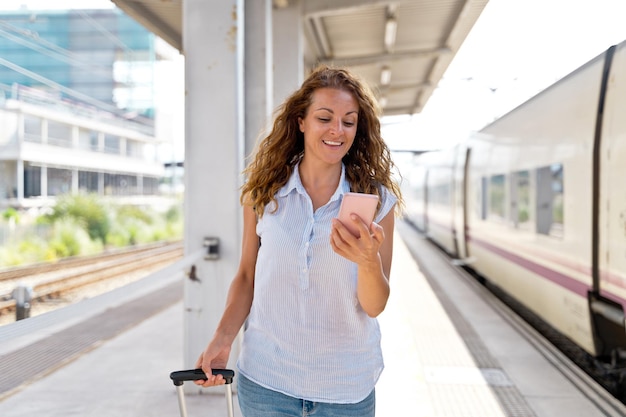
{"points": [[609, 259], [612, 196], [440, 200]]}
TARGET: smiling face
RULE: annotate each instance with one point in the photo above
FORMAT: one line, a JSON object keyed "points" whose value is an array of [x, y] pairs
{"points": [[330, 125]]}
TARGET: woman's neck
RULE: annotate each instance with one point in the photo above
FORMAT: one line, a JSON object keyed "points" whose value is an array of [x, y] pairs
{"points": [[320, 181]]}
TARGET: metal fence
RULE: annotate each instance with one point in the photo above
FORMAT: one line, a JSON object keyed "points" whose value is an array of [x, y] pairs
{"points": [[10, 233]]}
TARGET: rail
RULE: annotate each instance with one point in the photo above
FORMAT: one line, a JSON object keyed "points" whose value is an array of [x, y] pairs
{"points": [[52, 281]]}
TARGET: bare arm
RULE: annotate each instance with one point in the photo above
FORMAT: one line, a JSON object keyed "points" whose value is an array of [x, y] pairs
{"points": [[238, 303], [372, 252]]}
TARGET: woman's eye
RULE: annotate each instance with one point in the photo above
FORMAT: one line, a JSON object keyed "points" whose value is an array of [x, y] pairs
{"points": [[349, 124], [323, 119]]}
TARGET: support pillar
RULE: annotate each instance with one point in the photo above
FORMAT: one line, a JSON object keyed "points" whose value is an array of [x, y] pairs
{"points": [[258, 70], [288, 50], [214, 150]]}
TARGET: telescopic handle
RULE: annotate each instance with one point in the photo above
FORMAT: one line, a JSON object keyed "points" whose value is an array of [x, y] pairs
{"points": [[195, 374]]}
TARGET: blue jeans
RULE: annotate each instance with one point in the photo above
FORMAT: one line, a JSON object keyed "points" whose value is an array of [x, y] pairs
{"points": [[256, 401]]}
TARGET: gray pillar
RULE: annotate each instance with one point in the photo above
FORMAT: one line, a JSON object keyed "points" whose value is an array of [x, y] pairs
{"points": [[288, 50], [214, 143], [44, 181], [258, 70], [75, 181], [100, 183], [19, 181]]}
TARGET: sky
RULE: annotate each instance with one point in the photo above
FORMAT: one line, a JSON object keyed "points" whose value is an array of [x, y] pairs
{"points": [[516, 49]]}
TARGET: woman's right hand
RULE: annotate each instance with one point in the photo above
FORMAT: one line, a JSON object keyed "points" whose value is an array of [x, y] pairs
{"points": [[215, 356]]}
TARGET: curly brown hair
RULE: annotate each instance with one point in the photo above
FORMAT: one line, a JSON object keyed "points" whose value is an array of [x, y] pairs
{"points": [[368, 162]]}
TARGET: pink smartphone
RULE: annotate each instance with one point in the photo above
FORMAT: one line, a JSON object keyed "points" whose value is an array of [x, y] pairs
{"points": [[361, 204]]}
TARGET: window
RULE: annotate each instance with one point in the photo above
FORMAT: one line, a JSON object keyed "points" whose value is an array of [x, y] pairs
{"points": [[150, 186], [32, 181], [119, 184], [32, 128], [87, 140], [88, 181], [59, 181], [550, 190], [497, 194], [59, 134], [111, 144], [520, 199]]}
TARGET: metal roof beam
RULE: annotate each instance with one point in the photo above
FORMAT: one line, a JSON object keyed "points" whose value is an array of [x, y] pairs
{"points": [[147, 18], [399, 87], [386, 57], [316, 27], [328, 7]]}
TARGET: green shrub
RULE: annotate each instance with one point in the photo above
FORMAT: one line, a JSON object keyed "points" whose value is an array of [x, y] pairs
{"points": [[11, 214], [83, 225], [30, 250], [87, 210], [70, 239]]}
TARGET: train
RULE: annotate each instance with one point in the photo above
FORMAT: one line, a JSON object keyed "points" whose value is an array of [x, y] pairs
{"points": [[535, 204]]}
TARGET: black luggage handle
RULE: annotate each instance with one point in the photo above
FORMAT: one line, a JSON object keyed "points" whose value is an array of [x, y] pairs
{"points": [[178, 377]]}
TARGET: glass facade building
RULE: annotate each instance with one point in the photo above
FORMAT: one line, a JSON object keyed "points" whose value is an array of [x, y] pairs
{"points": [[103, 55], [77, 106]]}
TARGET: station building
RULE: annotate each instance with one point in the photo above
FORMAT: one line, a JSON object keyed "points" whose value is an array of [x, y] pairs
{"points": [[60, 148], [77, 106]]}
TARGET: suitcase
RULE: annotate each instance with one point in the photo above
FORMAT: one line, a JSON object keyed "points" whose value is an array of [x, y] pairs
{"points": [[179, 377]]}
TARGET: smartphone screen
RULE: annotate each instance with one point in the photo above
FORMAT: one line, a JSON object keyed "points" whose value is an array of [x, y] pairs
{"points": [[361, 204]]}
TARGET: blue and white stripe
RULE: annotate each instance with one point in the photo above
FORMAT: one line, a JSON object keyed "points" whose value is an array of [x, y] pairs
{"points": [[306, 335]]}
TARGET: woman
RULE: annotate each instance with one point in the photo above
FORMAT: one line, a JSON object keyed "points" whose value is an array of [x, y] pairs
{"points": [[308, 290]]}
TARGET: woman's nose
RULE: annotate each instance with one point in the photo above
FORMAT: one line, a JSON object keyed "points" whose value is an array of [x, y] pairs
{"points": [[336, 127]]}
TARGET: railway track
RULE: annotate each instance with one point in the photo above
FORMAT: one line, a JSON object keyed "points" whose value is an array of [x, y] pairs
{"points": [[52, 281]]}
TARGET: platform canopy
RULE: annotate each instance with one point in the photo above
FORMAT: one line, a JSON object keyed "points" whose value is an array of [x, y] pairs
{"points": [[402, 47]]}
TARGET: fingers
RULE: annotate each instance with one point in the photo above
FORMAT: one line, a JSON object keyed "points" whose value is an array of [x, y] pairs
{"points": [[345, 233], [377, 232], [341, 232], [211, 380]]}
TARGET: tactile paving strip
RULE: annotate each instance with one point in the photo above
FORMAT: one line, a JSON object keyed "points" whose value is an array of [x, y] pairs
{"points": [[46, 355]]}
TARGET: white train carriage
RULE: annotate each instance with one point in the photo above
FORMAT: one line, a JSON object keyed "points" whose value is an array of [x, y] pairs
{"points": [[434, 193], [536, 201]]}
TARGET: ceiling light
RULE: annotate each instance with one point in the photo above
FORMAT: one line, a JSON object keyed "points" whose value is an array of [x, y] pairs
{"points": [[385, 75], [391, 27]]}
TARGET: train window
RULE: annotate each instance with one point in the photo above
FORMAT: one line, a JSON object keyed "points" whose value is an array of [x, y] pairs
{"points": [[496, 197], [550, 200], [520, 199]]}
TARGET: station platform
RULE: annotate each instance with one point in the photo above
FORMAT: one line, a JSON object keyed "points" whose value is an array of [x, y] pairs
{"points": [[450, 351]]}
